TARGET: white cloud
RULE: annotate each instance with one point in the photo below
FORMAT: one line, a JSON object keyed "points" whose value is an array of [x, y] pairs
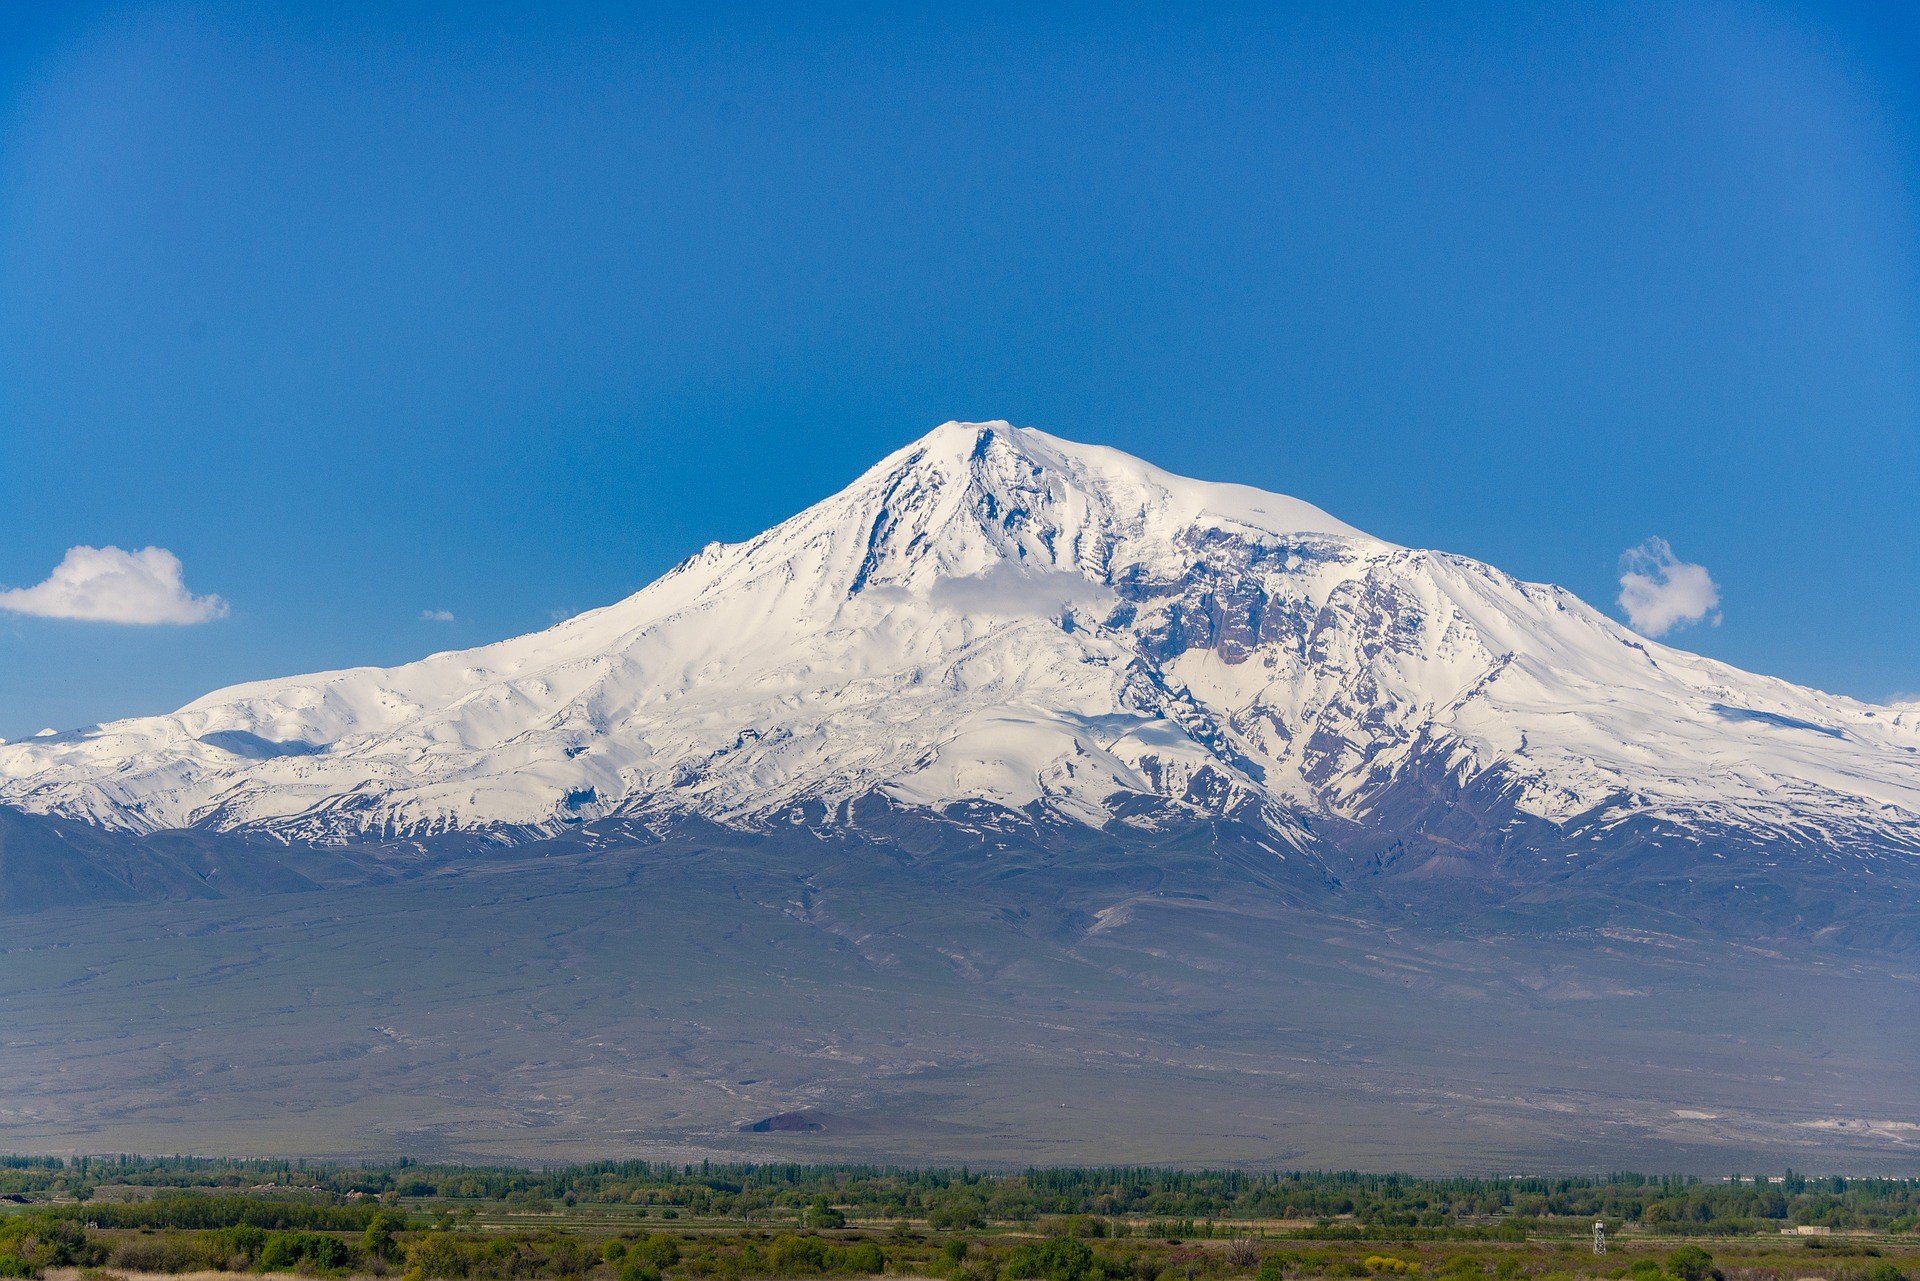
{"points": [[109, 585], [437, 616], [561, 613], [1659, 591]]}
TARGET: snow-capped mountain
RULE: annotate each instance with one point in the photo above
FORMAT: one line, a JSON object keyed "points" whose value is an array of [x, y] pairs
{"points": [[996, 616]]}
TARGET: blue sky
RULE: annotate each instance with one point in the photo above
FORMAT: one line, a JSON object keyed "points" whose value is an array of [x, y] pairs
{"points": [[366, 313]]}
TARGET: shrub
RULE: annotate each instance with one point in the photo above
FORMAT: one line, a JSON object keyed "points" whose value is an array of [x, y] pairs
{"points": [[1690, 1263], [656, 1250], [864, 1257], [792, 1254], [956, 1216], [233, 1249], [789, 1255], [287, 1250], [1085, 1226], [437, 1255], [44, 1241], [1060, 1259], [168, 1252]]}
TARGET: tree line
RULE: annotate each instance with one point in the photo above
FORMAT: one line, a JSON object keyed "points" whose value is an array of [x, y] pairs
{"points": [[960, 1197]]}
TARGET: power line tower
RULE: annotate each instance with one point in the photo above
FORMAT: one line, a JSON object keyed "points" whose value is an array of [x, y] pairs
{"points": [[1599, 1236]]}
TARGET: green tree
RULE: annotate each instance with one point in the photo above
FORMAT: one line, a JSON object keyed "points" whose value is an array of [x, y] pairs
{"points": [[379, 1240]]}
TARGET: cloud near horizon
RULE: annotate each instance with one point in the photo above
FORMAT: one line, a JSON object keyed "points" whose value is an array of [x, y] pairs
{"points": [[110, 585], [437, 616], [1659, 591]]}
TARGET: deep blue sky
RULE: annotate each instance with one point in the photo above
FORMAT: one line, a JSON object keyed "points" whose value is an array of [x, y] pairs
{"points": [[479, 309]]}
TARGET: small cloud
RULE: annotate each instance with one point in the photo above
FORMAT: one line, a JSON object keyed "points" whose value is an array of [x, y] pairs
{"points": [[1659, 591], [437, 616], [561, 613], [109, 585]]}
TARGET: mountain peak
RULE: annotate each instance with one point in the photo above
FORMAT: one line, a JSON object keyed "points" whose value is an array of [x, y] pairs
{"points": [[1064, 505], [993, 616]]}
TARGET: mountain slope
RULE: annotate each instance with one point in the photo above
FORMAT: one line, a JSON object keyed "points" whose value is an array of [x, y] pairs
{"points": [[997, 619]]}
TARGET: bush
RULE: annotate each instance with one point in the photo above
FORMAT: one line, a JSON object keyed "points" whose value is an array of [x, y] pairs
{"points": [[1084, 1226], [863, 1257], [957, 1216], [44, 1241], [656, 1250], [438, 1255], [167, 1252], [233, 1249], [1060, 1259], [12, 1265], [1690, 1263], [284, 1251], [790, 1255]]}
